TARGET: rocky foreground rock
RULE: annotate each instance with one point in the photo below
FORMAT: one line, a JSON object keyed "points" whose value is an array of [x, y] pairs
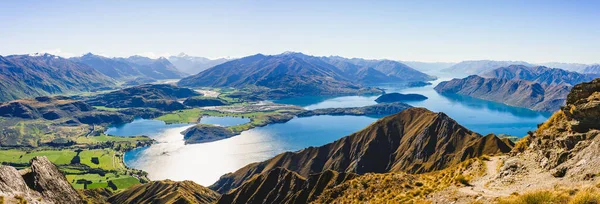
{"points": [[568, 143], [42, 183]]}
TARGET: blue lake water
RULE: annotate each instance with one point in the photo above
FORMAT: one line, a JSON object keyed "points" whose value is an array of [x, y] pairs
{"points": [[478, 115], [204, 163]]}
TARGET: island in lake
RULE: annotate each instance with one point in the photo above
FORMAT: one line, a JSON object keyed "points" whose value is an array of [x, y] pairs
{"points": [[398, 97]]}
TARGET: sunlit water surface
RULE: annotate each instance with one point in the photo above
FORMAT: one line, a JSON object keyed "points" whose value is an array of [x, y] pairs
{"points": [[205, 163]]}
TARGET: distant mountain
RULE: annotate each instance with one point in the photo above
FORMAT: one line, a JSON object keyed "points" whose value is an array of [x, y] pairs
{"points": [[109, 66], [428, 66], [159, 68], [592, 69], [466, 68], [131, 67], [376, 71], [539, 74], [194, 65], [415, 140], [23, 76], [519, 93], [299, 74], [290, 74], [575, 67], [166, 192]]}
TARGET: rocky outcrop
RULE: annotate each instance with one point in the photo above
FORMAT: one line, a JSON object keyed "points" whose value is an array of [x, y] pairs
{"points": [[378, 109], [284, 186], [583, 105], [415, 140], [398, 97], [519, 93], [202, 133], [567, 143], [166, 191], [43, 183]]}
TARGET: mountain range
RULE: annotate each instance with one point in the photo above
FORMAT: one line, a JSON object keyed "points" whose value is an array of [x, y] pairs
{"points": [[480, 66], [537, 87], [539, 74], [299, 74], [428, 66], [194, 65], [520, 93], [23, 76], [131, 67], [592, 69]]}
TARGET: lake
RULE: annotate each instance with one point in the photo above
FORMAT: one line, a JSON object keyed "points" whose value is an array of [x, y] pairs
{"points": [[477, 115], [205, 163]]}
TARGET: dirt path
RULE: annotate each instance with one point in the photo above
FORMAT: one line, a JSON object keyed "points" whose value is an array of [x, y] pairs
{"points": [[478, 186]]}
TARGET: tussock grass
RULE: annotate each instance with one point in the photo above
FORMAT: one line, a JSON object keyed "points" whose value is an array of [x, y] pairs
{"points": [[522, 144], [555, 196], [402, 187], [462, 180], [555, 119], [537, 197], [587, 196]]}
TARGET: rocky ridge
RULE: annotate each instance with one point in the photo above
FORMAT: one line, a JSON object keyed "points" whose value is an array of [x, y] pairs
{"points": [[42, 183], [415, 140]]}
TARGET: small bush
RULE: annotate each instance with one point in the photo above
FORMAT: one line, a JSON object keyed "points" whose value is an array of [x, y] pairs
{"points": [[537, 197], [462, 180], [20, 199], [522, 144], [586, 197]]}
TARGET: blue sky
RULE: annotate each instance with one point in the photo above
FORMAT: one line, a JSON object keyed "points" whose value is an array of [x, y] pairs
{"points": [[534, 31]]}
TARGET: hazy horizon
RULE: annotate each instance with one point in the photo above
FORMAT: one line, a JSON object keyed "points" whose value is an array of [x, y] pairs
{"points": [[531, 31]]}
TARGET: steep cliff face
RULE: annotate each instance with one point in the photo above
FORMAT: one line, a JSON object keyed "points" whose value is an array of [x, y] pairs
{"points": [[415, 140], [43, 183], [166, 191], [568, 139], [284, 186]]}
